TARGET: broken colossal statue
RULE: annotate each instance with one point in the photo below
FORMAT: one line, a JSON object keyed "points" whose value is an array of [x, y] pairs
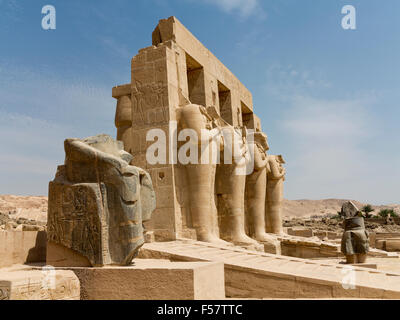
{"points": [[97, 204], [355, 239]]}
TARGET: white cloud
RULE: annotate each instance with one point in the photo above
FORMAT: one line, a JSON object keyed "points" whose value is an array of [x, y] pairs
{"points": [[55, 98], [38, 111], [245, 8], [336, 120], [329, 155], [330, 144], [31, 149]]}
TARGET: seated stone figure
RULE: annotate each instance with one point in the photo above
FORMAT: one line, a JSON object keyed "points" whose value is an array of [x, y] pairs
{"points": [[97, 204], [355, 242]]}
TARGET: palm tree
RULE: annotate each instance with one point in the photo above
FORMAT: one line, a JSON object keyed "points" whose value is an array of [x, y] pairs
{"points": [[367, 211], [385, 212]]}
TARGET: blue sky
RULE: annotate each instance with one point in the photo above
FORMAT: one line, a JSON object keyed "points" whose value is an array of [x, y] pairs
{"points": [[328, 97]]}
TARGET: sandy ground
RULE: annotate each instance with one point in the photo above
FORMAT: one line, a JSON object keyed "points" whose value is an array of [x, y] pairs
{"points": [[31, 207]]}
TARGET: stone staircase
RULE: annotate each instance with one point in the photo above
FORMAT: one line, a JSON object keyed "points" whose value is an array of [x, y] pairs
{"points": [[253, 274]]}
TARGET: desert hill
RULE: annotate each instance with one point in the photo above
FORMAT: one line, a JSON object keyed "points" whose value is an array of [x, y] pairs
{"points": [[308, 208], [35, 207]]}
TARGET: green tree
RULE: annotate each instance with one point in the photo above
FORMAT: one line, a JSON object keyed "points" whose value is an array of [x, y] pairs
{"points": [[367, 211], [385, 212]]}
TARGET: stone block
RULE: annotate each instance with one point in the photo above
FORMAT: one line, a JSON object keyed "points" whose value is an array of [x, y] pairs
{"points": [[392, 245], [19, 247], [300, 232], [366, 265], [45, 284], [153, 280]]}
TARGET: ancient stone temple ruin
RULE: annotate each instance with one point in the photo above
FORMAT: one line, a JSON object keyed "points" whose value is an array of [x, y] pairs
{"points": [[179, 84], [186, 203]]}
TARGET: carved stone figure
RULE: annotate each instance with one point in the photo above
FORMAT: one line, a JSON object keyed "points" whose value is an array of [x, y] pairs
{"points": [[230, 188], [256, 184], [201, 176], [355, 239], [274, 196], [97, 203], [123, 117]]}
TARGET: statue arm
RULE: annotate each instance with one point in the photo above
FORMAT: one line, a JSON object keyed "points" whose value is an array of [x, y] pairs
{"points": [[275, 170], [259, 162]]}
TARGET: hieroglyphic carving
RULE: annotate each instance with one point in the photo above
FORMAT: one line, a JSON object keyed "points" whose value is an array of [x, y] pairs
{"points": [[77, 220], [95, 202], [148, 99]]}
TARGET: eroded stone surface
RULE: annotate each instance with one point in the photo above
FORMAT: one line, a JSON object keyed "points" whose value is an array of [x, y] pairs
{"points": [[355, 240], [98, 202]]}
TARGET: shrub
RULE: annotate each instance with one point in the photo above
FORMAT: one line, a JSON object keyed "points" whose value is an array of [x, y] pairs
{"points": [[367, 209], [385, 212]]}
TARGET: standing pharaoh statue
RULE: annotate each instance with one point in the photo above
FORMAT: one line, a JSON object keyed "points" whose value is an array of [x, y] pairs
{"points": [[201, 173], [274, 196], [230, 187], [256, 184]]}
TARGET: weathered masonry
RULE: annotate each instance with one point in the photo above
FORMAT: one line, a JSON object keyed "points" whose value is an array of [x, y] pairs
{"points": [[176, 69]]}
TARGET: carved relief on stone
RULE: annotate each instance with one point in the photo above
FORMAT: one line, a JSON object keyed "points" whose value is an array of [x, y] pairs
{"points": [[97, 202], [149, 103]]}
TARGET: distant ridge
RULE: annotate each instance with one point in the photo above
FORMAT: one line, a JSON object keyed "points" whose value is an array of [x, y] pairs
{"points": [[304, 207], [35, 207]]}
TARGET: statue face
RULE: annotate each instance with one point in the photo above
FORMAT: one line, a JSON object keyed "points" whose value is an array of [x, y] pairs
{"points": [[125, 212], [123, 188], [261, 138]]}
